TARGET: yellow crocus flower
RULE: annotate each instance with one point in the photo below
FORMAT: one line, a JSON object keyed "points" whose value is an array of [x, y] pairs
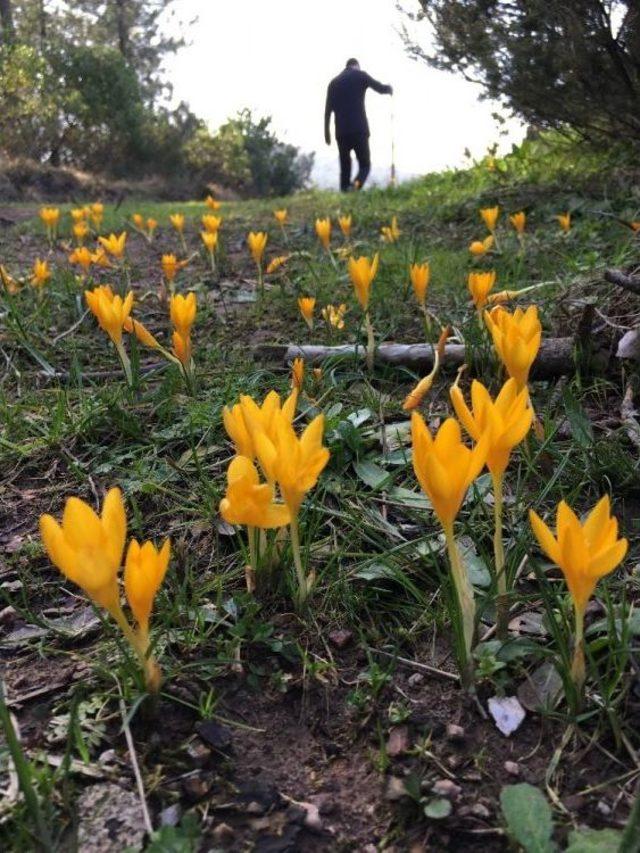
{"points": [[334, 316], [280, 216], [362, 272], [244, 420], [295, 463], [248, 501], [420, 275], [177, 220], [565, 221], [111, 312], [79, 214], [50, 217], [100, 258], [257, 241], [96, 212], [80, 230], [88, 549], [519, 221], [211, 223], [182, 349], [516, 338], [182, 310], [114, 244], [445, 468], [81, 256], [345, 224], [41, 273], [144, 571], [480, 247], [505, 421], [152, 224], [415, 397], [170, 266], [480, 283], [323, 231], [275, 263], [489, 216], [8, 282], [391, 233], [297, 373], [585, 552], [307, 304], [212, 203], [142, 333], [138, 220], [210, 240]]}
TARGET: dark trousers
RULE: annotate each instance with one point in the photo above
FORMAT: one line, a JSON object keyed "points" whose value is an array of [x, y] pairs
{"points": [[359, 144]]}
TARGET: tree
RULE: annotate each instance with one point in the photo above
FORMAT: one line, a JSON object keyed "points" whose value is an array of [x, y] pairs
{"points": [[555, 65], [6, 21], [138, 29]]}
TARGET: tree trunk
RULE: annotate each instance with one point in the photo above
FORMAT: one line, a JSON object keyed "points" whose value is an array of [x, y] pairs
{"points": [[122, 25], [6, 19]]}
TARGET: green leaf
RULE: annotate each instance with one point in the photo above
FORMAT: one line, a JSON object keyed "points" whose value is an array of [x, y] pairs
{"points": [[581, 429], [594, 841], [405, 497], [373, 475], [528, 817]]}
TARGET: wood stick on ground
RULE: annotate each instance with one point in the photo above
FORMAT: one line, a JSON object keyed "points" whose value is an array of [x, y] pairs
{"points": [[556, 356]]}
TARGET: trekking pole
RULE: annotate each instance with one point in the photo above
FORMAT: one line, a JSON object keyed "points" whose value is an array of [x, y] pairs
{"points": [[392, 181]]}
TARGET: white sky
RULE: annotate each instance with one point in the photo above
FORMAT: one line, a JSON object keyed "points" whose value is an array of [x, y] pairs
{"points": [[277, 58]]}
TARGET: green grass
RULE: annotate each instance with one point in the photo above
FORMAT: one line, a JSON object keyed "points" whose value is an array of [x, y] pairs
{"points": [[377, 549]]}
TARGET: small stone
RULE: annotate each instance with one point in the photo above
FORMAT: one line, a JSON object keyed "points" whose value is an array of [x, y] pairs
{"points": [[223, 833], [195, 787], [171, 815], [395, 789], [454, 761], [447, 788], [512, 768], [341, 638], [398, 741], [199, 754], [603, 808], [218, 737], [480, 810], [254, 807], [415, 680], [455, 733]]}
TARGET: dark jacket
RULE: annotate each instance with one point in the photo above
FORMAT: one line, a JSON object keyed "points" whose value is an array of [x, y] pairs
{"points": [[345, 99]]}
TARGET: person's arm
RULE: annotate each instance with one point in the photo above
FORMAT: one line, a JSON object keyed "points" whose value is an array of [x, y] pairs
{"points": [[381, 88], [328, 109]]}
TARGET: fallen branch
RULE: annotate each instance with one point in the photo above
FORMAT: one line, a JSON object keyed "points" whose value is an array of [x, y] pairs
{"points": [[622, 279], [556, 356]]}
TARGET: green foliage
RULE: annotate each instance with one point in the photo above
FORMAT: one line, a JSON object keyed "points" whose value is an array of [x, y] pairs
{"points": [[245, 154], [542, 58], [528, 817]]}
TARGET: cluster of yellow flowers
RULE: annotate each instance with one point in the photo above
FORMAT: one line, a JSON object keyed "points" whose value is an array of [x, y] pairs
{"points": [[518, 221], [80, 219], [113, 313], [88, 549], [290, 464]]}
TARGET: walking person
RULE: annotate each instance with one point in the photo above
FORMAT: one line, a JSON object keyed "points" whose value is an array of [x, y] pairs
{"points": [[345, 99]]}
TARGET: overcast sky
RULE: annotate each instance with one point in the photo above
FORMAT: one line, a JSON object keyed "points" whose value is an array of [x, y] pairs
{"points": [[278, 56]]}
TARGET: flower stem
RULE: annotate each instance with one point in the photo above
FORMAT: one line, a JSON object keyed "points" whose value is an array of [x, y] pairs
{"points": [[578, 671], [466, 604], [124, 361], [303, 587], [502, 617], [371, 341]]}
